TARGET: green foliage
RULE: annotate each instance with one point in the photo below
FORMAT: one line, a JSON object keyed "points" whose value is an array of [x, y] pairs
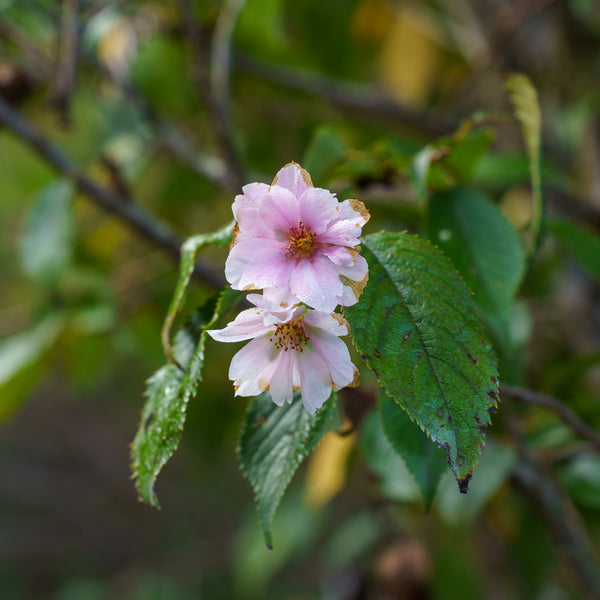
{"points": [[581, 244], [189, 253], [424, 460], [417, 328], [481, 242], [46, 241], [527, 111], [273, 443], [168, 393], [20, 355], [325, 151]]}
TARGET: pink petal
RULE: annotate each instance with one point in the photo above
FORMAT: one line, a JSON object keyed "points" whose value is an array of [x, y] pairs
{"points": [[340, 255], [317, 208], [294, 178], [279, 210], [316, 283], [246, 212], [252, 367], [281, 382], [358, 273], [346, 230], [331, 323], [248, 324], [334, 354], [258, 263], [315, 380]]}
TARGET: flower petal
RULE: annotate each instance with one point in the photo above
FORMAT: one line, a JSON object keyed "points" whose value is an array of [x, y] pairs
{"points": [[248, 324], [317, 208], [258, 263], [334, 354], [279, 210], [294, 178], [252, 367], [281, 382], [315, 380], [316, 283], [346, 230], [355, 279]]}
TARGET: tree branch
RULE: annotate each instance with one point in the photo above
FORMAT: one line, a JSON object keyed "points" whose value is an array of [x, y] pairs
{"points": [[218, 112], [557, 407], [360, 97], [133, 215]]}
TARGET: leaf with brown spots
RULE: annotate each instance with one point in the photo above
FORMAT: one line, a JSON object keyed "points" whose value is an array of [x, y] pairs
{"points": [[417, 326]]}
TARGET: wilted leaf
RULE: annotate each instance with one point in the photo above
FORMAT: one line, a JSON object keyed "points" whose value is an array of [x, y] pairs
{"points": [[273, 443], [417, 328], [527, 111]]}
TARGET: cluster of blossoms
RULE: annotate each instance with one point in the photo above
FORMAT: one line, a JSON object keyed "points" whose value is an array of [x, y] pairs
{"points": [[299, 245]]}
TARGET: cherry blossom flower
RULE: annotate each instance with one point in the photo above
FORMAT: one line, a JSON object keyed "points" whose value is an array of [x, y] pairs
{"points": [[292, 236], [293, 348]]}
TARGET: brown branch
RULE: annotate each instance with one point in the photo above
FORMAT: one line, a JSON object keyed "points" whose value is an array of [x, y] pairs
{"points": [[219, 117], [67, 61], [124, 208], [556, 406], [360, 97], [549, 500]]}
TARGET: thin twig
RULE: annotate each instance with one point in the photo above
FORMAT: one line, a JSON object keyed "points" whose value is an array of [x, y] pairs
{"points": [[361, 97], [220, 65], [67, 62], [556, 406], [550, 501], [235, 177], [133, 215]]}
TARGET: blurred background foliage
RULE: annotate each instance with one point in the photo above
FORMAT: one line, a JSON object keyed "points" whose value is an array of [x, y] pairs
{"points": [[369, 96]]}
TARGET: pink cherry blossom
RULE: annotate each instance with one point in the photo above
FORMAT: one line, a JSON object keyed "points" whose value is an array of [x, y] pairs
{"points": [[292, 348], [292, 236]]}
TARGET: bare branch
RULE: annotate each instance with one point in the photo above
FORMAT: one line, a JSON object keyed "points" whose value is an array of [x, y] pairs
{"points": [[220, 66], [218, 114], [67, 62], [557, 407], [133, 215], [360, 97]]}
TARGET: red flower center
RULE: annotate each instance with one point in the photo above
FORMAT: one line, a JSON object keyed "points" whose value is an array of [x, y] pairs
{"points": [[303, 243], [290, 336]]}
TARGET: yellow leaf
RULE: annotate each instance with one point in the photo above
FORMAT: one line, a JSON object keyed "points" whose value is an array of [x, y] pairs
{"points": [[326, 474]]}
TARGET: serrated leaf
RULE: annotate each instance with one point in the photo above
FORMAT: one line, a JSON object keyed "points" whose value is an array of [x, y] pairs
{"points": [[424, 459], [325, 151], [273, 443], [417, 328], [46, 241], [527, 111], [189, 253], [168, 393], [481, 242], [581, 244]]}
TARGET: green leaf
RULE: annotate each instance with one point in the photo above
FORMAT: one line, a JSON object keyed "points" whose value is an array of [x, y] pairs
{"points": [[19, 354], [273, 443], [481, 242], [46, 241], [325, 151], [527, 111], [581, 244], [424, 460], [189, 253], [417, 328], [168, 393]]}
